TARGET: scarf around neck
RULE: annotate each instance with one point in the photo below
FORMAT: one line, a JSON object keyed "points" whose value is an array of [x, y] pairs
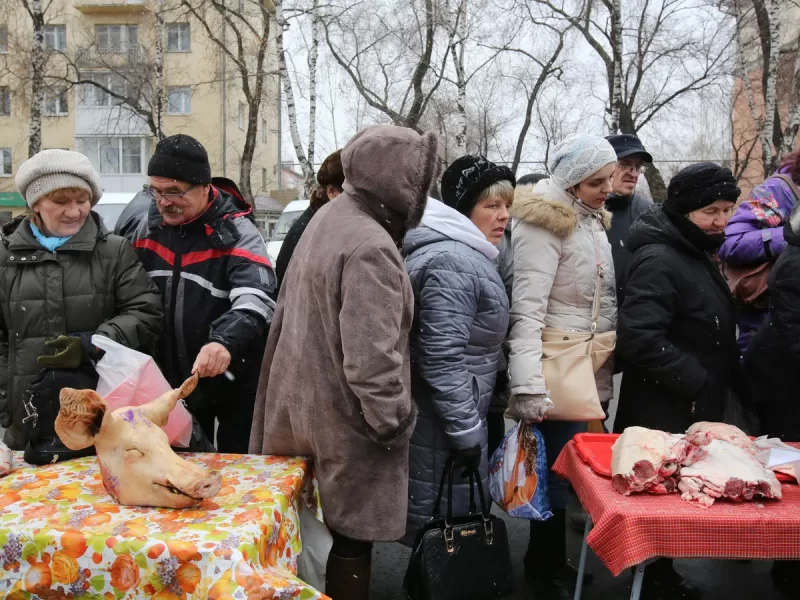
{"points": [[51, 243]]}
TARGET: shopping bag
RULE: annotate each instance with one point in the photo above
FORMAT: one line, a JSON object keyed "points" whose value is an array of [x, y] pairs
{"points": [[130, 378], [518, 474]]}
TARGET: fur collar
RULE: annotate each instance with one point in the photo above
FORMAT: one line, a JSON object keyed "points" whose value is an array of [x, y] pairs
{"points": [[542, 206]]}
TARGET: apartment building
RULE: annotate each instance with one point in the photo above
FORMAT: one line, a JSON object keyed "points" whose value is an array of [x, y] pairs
{"points": [[112, 42]]}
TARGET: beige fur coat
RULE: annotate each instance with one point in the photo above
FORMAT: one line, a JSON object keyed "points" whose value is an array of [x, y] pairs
{"points": [[557, 243]]}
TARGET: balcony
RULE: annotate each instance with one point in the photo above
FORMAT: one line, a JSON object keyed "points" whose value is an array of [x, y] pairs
{"points": [[111, 6], [126, 55]]}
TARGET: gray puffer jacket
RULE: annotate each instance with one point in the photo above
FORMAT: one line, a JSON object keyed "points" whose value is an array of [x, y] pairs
{"points": [[460, 322]]}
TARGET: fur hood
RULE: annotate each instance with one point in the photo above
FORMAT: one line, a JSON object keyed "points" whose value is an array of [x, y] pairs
{"points": [[551, 208]]}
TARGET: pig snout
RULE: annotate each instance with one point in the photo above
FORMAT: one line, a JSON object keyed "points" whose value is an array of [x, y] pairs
{"points": [[206, 487]]}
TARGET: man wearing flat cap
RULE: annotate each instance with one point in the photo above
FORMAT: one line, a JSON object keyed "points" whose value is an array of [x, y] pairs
{"points": [[624, 204], [205, 254]]}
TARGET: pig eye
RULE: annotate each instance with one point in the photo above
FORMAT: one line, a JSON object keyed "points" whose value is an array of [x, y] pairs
{"points": [[133, 453]]}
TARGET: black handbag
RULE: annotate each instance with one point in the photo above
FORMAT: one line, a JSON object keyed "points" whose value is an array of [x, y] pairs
{"points": [[41, 403], [460, 558]]}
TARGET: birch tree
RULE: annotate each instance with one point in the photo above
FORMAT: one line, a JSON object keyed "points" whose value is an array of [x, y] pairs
{"points": [[764, 68], [306, 160], [158, 93], [38, 61], [249, 24], [615, 100]]}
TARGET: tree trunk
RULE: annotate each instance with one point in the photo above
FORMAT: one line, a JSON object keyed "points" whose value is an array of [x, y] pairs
{"points": [[158, 93], [313, 54], [291, 108], [615, 101], [793, 118], [38, 60], [457, 50], [250, 139], [770, 91]]}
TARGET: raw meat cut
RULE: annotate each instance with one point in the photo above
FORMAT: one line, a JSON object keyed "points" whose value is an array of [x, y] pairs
{"points": [[703, 432], [726, 471], [648, 460]]}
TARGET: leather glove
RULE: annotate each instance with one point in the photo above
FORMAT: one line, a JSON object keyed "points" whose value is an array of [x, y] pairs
{"points": [[469, 458], [528, 408], [72, 351]]}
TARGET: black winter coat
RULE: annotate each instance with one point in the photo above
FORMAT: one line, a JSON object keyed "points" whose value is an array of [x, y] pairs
{"points": [[676, 333], [290, 243], [624, 212], [218, 286], [772, 362]]}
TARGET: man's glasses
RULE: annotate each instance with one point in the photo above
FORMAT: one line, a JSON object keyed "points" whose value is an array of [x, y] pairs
{"points": [[168, 197], [629, 168]]}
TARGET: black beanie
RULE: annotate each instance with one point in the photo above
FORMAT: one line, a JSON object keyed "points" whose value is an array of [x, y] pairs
{"points": [[467, 177], [181, 157], [700, 185]]}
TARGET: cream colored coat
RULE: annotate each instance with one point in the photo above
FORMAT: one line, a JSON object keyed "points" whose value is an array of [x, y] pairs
{"points": [[557, 242]]}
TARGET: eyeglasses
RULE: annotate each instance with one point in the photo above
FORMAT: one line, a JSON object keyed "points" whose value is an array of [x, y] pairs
{"points": [[629, 168], [169, 197]]}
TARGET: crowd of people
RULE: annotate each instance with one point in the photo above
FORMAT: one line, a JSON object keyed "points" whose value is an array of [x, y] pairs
{"points": [[409, 313]]}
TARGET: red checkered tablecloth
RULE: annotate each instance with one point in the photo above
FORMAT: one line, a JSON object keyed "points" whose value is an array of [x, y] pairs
{"points": [[631, 529]]}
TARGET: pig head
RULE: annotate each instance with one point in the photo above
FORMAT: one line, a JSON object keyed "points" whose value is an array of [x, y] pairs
{"points": [[137, 465]]}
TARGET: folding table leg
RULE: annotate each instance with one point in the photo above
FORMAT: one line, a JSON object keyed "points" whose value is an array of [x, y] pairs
{"points": [[638, 579], [582, 563]]}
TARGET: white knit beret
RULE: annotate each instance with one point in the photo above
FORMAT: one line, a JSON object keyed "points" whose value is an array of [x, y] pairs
{"points": [[579, 157], [51, 170]]}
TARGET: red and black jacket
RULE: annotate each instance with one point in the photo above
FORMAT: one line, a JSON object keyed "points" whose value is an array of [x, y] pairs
{"points": [[217, 285]]}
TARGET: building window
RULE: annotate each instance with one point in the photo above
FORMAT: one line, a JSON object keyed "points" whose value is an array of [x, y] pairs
{"points": [[95, 96], [178, 37], [55, 37], [55, 103], [5, 161], [116, 38], [241, 116], [264, 177], [3, 39], [5, 102], [263, 131], [179, 101], [116, 155]]}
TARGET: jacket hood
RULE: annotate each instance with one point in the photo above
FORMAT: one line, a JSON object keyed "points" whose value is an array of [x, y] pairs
{"points": [[390, 167], [654, 227], [440, 222], [547, 206]]}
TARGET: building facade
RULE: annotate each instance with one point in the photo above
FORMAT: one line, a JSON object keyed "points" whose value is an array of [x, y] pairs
{"points": [[112, 43]]}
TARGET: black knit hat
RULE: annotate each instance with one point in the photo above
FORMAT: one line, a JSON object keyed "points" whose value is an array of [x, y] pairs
{"points": [[700, 185], [180, 157], [467, 177]]}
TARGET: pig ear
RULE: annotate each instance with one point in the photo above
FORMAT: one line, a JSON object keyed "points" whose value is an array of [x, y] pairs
{"points": [[158, 410], [80, 417]]}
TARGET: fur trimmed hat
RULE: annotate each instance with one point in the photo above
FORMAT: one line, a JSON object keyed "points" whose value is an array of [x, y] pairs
{"points": [[51, 170]]}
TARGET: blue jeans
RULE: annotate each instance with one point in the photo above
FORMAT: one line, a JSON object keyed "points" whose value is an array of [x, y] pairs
{"points": [[556, 435]]}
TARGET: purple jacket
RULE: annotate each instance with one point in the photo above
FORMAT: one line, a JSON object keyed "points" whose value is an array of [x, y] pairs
{"points": [[755, 235]]}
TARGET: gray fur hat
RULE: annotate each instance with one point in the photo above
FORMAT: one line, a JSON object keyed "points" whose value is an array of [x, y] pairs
{"points": [[51, 170]]}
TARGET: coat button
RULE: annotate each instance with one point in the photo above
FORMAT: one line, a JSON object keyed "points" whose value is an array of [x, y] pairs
{"points": [[23, 258], [10, 258]]}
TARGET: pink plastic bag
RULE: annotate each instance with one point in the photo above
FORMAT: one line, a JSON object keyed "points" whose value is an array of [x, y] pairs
{"points": [[130, 378]]}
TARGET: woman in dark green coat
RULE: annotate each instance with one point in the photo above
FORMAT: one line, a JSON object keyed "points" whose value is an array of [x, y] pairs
{"points": [[63, 278]]}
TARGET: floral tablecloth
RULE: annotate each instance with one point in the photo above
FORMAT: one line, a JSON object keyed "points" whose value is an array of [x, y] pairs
{"points": [[62, 536]]}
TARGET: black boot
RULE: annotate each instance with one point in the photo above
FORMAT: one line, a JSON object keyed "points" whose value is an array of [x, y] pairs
{"points": [[348, 578], [545, 561], [662, 581]]}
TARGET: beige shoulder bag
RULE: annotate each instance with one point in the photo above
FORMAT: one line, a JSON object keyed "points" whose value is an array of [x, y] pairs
{"points": [[571, 358]]}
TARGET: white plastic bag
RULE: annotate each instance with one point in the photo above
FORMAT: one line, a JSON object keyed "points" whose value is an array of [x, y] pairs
{"points": [[130, 378]]}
